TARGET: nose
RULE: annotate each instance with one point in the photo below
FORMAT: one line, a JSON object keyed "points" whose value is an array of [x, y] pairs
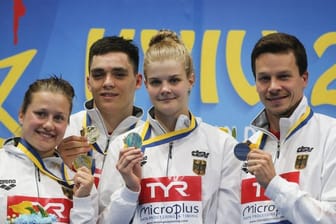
{"points": [[165, 88], [274, 85], [49, 124], [109, 81]]}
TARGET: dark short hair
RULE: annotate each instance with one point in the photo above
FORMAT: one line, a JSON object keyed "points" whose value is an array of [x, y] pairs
{"points": [[280, 43], [115, 44]]}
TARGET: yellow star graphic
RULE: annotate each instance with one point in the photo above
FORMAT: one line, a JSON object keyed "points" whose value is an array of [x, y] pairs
{"points": [[18, 64]]}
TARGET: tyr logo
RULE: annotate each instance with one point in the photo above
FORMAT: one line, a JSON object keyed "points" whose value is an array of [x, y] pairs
{"points": [[54, 208], [58, 206], [178, 186]]}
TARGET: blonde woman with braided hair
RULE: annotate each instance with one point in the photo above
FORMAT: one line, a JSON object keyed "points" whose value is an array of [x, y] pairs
{"points": [[184, 170]]}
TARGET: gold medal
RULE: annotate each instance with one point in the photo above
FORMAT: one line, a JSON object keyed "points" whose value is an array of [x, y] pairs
{"points": [[133, 139], [82, 160], [91, 132]]}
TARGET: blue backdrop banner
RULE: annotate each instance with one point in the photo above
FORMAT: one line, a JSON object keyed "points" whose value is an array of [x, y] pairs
{"points": [[43, 37]]}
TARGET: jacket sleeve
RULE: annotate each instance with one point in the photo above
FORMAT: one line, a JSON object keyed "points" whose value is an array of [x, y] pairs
{"points": [[3, 208], [299, 206], [85, 210], [116, 202], [229, 192], [121, 208]]}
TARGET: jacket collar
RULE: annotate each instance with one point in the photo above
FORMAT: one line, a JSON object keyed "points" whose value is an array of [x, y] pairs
{"points": [[299, 117], [124, 125], [183, 121]]}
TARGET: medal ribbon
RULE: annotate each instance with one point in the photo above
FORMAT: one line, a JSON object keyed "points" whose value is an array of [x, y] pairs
{"points": [[167, 137], [32, 154], [305, 117], [261, 141]]}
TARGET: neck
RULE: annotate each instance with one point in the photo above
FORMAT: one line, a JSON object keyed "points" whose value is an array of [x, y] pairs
{"points": [[168, 122], [274, 122], [41, 153], [113, 120], [47, 154]]}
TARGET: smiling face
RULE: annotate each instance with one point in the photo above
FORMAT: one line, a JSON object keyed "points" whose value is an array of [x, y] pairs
{"points": [[279, 83], [168, 87], [45, 120], [112, 82]]}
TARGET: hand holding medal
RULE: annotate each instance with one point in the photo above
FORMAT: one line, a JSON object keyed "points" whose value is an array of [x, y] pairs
{"points": [[241, 150], [92, 134], [129, 163]]}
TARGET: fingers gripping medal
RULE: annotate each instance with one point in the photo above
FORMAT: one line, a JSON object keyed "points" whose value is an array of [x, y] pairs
{"points": [[241, 150], [133, 139], [92, 134], [82, 160]]}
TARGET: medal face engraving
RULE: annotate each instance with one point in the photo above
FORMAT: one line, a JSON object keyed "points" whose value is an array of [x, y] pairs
{"points": [[91, 132], [133, 139], [82, 160]]}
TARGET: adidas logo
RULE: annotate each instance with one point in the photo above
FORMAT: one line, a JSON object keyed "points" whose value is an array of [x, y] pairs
{"points": [[7, 184]]}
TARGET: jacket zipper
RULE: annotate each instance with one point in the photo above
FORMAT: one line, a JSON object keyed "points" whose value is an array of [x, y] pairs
{"points": [[170, 156], [105, 150], [278, 150], [37, 180]]}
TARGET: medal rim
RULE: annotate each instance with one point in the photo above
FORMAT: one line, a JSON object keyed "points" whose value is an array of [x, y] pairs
{"points": [[241, 150], [135, 138]]}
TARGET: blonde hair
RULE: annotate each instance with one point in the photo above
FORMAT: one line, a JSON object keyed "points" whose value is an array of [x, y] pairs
{"points": [[167, 45]]}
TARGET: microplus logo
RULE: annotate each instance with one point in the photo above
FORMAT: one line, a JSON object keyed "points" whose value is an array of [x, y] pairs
{"points": [[175, 211]]}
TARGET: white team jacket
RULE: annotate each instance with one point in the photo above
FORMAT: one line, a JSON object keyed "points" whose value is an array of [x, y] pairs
{"points": [[77, 122], [220, 184], [19, 177], [306, 153]]}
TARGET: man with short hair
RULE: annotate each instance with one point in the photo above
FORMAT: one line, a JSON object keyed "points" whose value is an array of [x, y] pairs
{"points": [[292, 167], [113, 79]]}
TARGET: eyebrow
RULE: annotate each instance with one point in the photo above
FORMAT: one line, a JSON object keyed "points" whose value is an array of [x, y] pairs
{"points": [[114, 69]]}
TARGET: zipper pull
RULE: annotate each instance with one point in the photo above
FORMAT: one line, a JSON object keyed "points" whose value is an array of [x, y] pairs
{"points": [[38, 174], [170, 150], [278, 151]]}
